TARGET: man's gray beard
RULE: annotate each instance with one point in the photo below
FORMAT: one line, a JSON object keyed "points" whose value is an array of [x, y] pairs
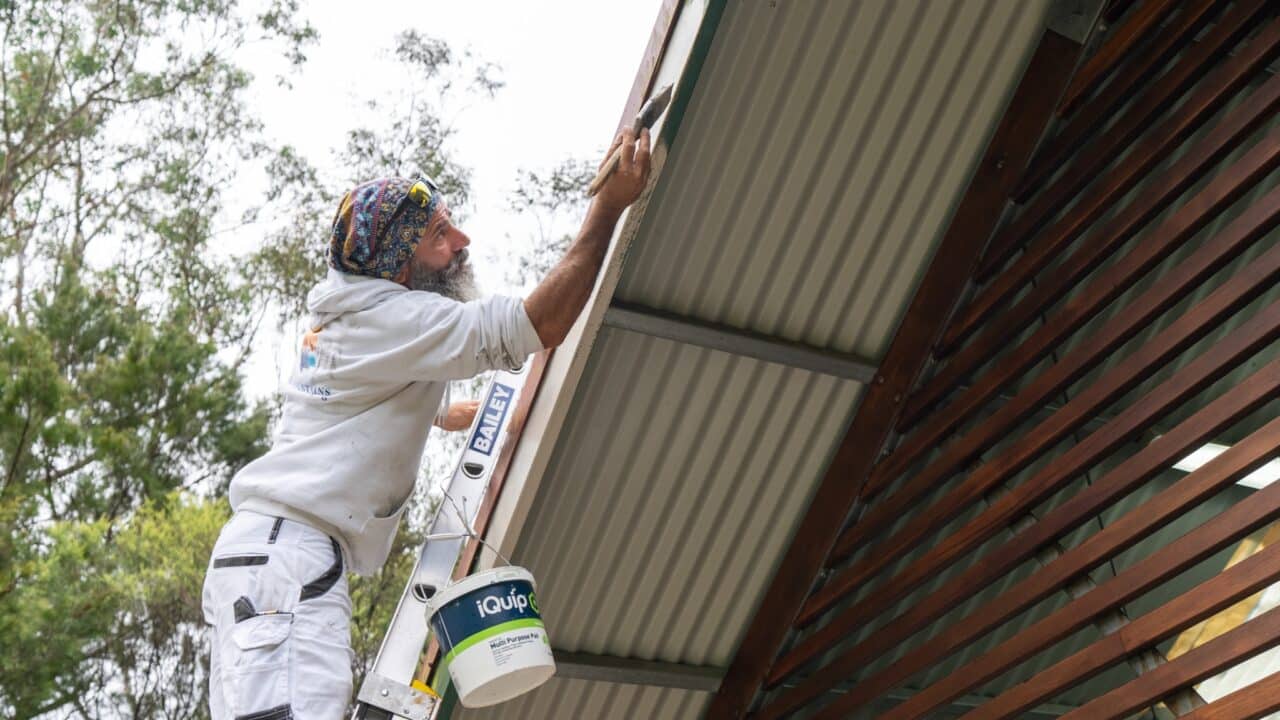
{"points": [[457, 280]]}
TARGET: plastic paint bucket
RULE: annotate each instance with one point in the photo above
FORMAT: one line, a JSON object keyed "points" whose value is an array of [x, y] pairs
{"points": [[492, 636]]}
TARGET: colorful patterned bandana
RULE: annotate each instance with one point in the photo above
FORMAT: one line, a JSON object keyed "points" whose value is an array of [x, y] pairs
{"points": [[379, 225]]}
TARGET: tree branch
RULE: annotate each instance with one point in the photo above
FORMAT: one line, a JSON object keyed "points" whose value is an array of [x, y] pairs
{"points": [[51, 476], [18, 451]]}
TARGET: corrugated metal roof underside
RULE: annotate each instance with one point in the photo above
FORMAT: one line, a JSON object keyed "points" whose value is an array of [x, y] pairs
{"points": [[574, 699], [669, 502], [823, 151], [671, 496], [822, 155]]}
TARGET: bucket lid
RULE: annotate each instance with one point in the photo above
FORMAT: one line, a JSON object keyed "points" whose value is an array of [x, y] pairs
{"points": [[468, 584]]}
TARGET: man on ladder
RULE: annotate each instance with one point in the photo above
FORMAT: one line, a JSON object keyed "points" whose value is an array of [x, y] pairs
{"points": [[393, 322]]}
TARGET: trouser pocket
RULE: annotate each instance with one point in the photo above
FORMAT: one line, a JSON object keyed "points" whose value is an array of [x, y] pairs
{"points": [[280, 614], [249, 599], [256, 665]]}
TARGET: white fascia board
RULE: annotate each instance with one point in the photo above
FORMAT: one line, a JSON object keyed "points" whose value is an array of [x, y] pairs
{"points": [[564, 371]]}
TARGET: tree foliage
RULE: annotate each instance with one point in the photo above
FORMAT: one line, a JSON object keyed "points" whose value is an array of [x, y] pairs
{"points": [[124, 328], [121, 337], [554, 199]]}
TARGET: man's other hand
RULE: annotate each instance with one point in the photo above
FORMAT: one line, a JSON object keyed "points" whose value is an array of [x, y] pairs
{"points": [[459, 415], [625, 183]]}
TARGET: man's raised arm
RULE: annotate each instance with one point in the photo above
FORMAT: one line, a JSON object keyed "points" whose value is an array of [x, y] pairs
{"points": [[554, 305]]}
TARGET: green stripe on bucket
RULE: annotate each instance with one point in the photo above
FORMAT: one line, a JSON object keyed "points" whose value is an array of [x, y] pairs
{"points": [[490, 632]]}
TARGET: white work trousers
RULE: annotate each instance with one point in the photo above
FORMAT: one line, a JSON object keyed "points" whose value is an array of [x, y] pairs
{"points": [[276, 597]]}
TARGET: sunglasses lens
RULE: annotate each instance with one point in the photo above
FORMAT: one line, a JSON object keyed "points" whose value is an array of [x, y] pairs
{"points": [[422, 190]]}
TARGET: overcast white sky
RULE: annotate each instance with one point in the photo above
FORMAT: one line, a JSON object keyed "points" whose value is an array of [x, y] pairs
{"points": [[568, 67]]}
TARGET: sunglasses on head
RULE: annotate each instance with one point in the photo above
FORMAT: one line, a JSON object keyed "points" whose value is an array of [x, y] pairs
{"points": [[423, 189]]}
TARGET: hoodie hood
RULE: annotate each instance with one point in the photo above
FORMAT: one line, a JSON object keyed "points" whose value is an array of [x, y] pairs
{"points": [[341, 293]]}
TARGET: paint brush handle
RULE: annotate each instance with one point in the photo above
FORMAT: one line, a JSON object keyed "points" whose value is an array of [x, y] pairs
{"points": [[605, 170]]}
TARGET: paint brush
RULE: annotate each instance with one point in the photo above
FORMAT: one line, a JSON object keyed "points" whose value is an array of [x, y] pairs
{"points": [[647, 116]]}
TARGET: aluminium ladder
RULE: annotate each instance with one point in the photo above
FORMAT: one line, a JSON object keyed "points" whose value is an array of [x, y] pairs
{"points": [[388, 689]]}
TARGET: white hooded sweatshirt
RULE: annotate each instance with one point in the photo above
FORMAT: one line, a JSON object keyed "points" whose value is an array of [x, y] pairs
{"points": [[372, 373]]}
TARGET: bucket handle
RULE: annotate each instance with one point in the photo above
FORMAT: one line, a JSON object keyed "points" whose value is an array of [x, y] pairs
{"points": [[468, 531]]}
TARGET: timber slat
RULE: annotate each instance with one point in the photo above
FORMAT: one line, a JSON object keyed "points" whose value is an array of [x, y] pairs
{"points": [[1152, 148], [983, 202], [1109, 284], [1255, 636], [1248, 703], [1168, 505], [1200, 543], [1238, 125], [1189, 68], [1122, 42], [1133, 419]]}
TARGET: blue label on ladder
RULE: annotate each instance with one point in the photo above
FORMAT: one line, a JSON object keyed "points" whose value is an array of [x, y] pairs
{"points": [[492, 414]]}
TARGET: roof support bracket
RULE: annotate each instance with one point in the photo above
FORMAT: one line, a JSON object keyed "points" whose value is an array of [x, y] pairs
{"points": [[648, 321], [630, 671]]}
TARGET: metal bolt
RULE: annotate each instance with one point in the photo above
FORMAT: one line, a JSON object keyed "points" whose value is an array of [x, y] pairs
{"points": [[383, 692]]}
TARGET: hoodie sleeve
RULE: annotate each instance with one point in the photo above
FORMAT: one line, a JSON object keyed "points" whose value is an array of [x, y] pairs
{"points": [[460, 340]]}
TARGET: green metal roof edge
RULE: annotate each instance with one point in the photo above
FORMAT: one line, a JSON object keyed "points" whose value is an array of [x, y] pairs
{"points": [[698, 53], [448, 703]]}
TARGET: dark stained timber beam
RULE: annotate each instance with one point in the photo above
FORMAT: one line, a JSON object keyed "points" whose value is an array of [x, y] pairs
{"points": [[979, 209], [1115, 9], [648, 321], [630, 671]]}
